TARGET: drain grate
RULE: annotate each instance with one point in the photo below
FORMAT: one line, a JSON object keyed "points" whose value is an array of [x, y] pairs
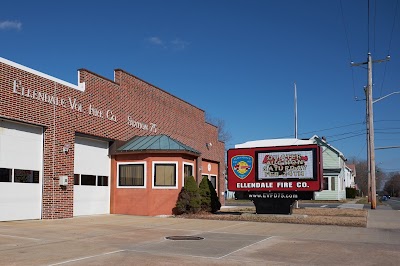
{"points": [[184, 238]]}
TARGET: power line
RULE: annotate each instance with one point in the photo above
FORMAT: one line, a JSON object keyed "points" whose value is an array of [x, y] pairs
{"points": [[375, 25], [356, 135], [325, 129], [387, 128], [394, 21], [389, 133], [345, 30], [382, 139], [362, 149], [348, 48], [387, 120], [353, 124], [346, 133], [356, 132], [390, 169], [390, 44], [368, 27]]}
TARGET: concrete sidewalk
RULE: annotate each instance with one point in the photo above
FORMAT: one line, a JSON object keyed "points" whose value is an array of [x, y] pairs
{"points": [[383, 217], [351, 206], [139, 240]]}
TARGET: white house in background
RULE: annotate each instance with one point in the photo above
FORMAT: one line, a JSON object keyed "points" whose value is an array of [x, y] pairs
{"points": [[334, 187], [350, 176]]}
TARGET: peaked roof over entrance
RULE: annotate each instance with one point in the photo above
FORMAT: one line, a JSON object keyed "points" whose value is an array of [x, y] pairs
{"points": [[155, 143]]}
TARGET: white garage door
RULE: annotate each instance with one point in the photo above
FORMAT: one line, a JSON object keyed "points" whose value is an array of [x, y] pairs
{"points": [[92, 177], [21, 171]]}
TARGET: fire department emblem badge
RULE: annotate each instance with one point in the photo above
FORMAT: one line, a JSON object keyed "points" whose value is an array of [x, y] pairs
{"points": [[242, 165]]}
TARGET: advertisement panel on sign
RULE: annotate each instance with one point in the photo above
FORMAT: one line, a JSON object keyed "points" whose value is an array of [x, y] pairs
{"points": [[286, 168], [292, 165]]}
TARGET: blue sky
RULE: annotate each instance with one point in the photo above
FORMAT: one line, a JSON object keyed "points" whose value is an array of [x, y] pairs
{"points": [[236, 59]]}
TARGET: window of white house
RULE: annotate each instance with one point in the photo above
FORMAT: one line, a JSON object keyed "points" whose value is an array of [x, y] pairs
{"points": [[165, 175], [326, 183], [332, 183], [132, 175]]}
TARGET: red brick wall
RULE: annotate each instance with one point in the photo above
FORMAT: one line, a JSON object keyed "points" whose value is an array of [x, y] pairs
{"points": [[128, 96], [146, 201]]}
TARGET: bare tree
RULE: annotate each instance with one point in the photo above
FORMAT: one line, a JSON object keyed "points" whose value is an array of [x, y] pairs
{"points": [[361, 178], [223, 134], [392, 186]]}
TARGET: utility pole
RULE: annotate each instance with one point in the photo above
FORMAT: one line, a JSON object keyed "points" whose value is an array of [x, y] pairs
{"points": [[370, 128], [368, 146], [371, 134]]}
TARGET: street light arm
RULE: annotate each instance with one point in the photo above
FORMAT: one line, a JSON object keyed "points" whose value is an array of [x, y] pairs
{"points": [[383, 97]]}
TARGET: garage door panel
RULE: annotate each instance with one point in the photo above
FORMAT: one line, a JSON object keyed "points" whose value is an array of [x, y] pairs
{"points": [[91, 158], [17, 202], [91, 200], [20, 146]]}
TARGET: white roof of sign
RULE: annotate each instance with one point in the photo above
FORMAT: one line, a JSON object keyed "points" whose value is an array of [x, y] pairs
{"points": [[274, 143]]}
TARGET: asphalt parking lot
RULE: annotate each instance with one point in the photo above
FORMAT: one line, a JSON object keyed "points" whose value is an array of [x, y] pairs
{"points": [[137, 240]]}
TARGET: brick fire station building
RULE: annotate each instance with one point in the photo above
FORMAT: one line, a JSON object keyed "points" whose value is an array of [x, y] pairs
{"points": [[119, 146]]}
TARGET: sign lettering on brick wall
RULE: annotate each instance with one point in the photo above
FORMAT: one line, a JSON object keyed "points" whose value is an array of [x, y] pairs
{"points": [[75, 105]]}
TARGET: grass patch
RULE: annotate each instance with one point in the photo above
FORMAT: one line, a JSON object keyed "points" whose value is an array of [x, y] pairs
{"points": [[331, 212], [316, 216], [363, 200], [241, 201]]}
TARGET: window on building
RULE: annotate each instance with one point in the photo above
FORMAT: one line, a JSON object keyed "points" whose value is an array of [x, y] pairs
{"points": [[88, 180], [164, 175], [333, 183], [187, 170], [76, 179], [131, 174], [326, 183], [26, 176], [213, 180], [204, 176], [5, 175], [102, 181]]}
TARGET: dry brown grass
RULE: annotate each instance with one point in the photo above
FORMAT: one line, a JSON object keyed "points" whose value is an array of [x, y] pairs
{"points": [[317, 216]]}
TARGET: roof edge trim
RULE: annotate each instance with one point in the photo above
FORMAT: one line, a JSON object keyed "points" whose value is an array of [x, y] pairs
{"points": [[80, 87]]}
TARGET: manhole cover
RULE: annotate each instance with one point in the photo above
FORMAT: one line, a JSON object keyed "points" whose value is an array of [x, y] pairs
{"points": [[184, 238]]}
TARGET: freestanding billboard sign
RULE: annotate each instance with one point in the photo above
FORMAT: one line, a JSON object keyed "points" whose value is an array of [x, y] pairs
{"points": [[274, 177], [275, 169]]}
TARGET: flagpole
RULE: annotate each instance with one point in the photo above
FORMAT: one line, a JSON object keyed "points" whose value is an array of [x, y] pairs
{"points": [[295, 111]]}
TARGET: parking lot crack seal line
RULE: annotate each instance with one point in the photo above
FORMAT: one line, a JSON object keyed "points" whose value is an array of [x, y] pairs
{"points": [[232, 225], [170, 254], [245, 247], [22, 237], [88, 257]]}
